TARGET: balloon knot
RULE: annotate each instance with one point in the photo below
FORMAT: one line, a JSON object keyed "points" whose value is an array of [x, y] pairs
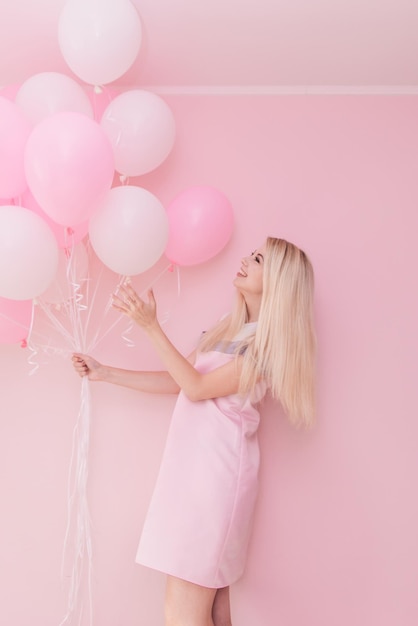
{"points": [[23, 343], [171, 268], [97, 89]]}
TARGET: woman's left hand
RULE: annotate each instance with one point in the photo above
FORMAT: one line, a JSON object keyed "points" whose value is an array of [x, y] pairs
{"points": [[127, 301]]}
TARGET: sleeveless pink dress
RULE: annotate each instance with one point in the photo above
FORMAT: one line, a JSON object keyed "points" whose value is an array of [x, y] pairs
{"points": [[200, 516]]}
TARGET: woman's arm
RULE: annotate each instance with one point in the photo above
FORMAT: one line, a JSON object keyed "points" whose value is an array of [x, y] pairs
{"points": [[151, 382], [197, 386]]}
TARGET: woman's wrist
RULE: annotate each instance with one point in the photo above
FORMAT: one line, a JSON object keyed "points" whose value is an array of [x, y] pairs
{"points": [[153, 330], [103, 373]]}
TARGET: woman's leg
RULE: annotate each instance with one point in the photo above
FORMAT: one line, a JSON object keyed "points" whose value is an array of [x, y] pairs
{"points": [[221, 610], [187, 604]]}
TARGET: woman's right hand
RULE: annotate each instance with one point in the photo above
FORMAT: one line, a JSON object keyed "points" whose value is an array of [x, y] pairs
{"points": [[85, 365]]}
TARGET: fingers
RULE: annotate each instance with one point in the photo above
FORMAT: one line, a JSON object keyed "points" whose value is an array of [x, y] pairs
{"points": [[142, 312], [128, 301], [80, 365], [151, 297], [125, 298]]}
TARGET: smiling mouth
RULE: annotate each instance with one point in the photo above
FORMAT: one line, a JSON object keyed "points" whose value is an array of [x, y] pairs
{"points": [[242, 274]]}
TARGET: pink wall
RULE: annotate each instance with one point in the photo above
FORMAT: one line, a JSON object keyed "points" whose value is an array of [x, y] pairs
{"points": [[335, 537]]}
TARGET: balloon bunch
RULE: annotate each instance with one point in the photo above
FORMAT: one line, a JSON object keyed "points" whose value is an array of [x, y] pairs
{"points": [[62, 142]]}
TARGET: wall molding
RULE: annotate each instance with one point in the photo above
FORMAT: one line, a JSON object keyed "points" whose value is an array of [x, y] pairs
{"points": [[282, 90]]}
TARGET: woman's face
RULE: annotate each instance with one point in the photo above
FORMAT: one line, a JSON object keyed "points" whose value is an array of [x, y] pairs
{"points": [[249, 279]]}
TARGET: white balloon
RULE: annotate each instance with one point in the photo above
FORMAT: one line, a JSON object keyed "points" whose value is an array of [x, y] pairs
{"points": [[99, 39], [47, 93], [141, 128], [28, 254], [129, 232]]}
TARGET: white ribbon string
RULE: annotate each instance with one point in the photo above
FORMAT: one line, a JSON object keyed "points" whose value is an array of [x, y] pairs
{"points": [[78, 522], [122, 280], [71, 321]]}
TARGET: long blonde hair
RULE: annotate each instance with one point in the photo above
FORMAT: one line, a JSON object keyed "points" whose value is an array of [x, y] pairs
{"points": [[282, 349]]}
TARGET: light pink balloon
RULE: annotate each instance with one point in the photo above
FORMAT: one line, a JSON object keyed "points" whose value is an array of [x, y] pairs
{"points": [[10, 91], [15, 320], [141, 129], [69, 166], [201, 222], [28, 254], [129, 231], [14, 133], [66, 236], [47, 93], [99, 40]]}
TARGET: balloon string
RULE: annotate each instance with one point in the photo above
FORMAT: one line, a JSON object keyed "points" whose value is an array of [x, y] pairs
{"points": [[29, 343], [125, 336], [55, 322], [123, 279], [32, 359], [96, 339], [178, 281], [77, 497], [75, 311], [75, 303], [90, 302], [164, 319], [15, 322]]}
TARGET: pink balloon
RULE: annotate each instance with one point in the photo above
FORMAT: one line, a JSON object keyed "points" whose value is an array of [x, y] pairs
{"points": [[28, 254], [141, 129], [66, 236], [201, 221], [14, 133], [69, 166], [47, 93], [99, 40], [129, 231], [15, 320], [10, 91]]}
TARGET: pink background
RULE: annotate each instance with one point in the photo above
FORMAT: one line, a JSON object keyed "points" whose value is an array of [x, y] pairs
{"points": [[335, 535]]}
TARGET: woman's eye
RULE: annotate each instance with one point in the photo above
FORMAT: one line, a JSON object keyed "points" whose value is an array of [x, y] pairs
{"points": [[257, 258]]}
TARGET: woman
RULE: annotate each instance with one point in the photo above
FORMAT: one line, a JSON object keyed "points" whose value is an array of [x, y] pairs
{"points": [[199, 521]]}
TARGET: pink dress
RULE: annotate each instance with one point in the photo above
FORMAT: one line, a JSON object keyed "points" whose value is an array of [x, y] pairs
{"points": [[200, 516]]}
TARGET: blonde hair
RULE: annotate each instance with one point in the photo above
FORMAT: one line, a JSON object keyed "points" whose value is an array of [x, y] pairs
{"points": [[282, 349]]}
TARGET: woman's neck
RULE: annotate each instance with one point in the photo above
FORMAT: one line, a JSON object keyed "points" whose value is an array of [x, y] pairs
{"points": [[253, 310]]}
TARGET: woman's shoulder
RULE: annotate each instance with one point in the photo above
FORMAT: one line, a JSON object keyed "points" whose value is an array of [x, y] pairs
{"points": [[246, 331], [238, 343]]}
